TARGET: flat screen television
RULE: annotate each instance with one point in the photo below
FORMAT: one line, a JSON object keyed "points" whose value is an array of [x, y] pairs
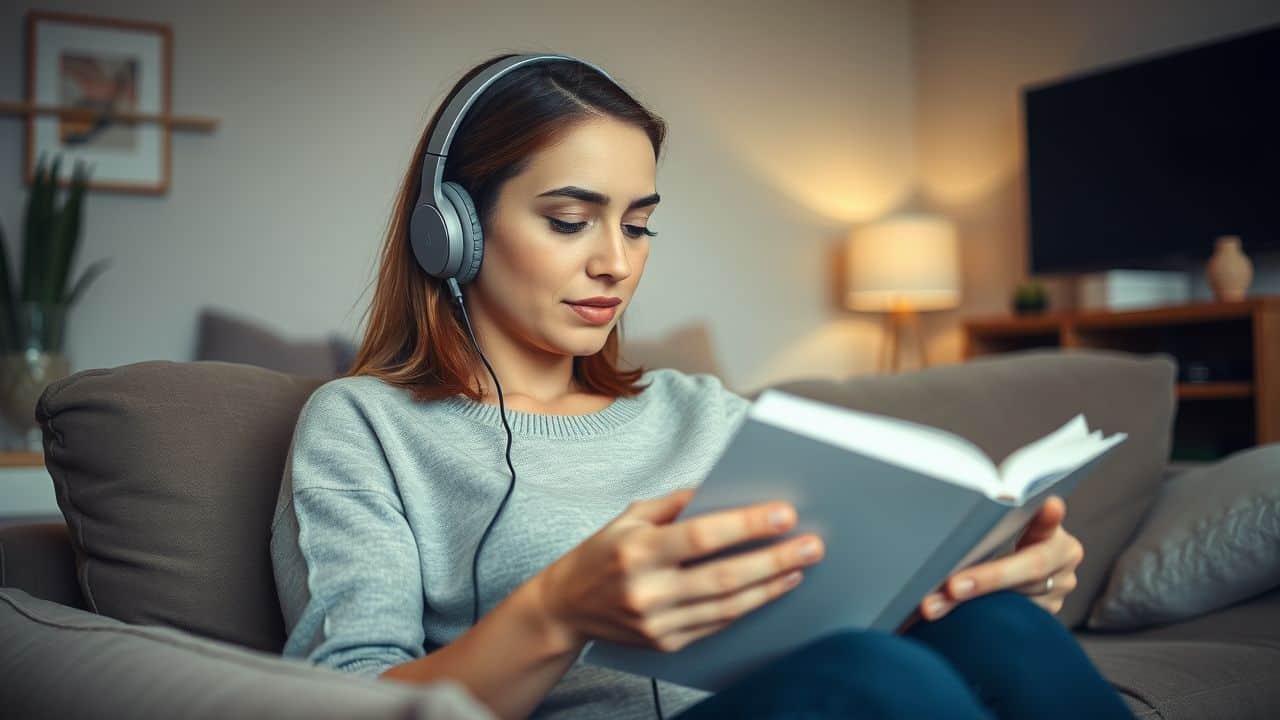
{"points": [[1142, 166]]}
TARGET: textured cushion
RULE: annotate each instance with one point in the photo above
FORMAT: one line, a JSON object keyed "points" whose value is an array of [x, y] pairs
{"points": [[1211, 539], [58, 662], [167, 474], [230, 338], [1001, 402]]}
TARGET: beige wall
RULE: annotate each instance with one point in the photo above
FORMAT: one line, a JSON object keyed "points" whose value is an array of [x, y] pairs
{"points": [[788, 123], [972, 59]]}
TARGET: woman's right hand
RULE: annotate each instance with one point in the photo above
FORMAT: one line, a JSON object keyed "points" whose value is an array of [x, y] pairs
{"points": [[626, 583]]}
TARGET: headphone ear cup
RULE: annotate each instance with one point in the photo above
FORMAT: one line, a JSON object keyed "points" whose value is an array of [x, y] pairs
{"points": [[472, 235]]}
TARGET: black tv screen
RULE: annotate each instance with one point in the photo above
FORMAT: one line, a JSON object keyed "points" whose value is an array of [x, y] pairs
{"points": [[1143, 166]]}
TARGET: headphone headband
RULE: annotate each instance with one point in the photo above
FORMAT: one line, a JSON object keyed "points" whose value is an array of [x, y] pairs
{"points": [[447, 126], [444, 229]]}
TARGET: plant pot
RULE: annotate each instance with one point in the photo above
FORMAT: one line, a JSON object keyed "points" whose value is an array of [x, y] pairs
{"points": [[29, 365]]}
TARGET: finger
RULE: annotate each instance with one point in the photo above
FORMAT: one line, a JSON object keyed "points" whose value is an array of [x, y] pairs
{"points": [[676, 641], [1031, 563], [1045, 522], [725, 608], [706, 534], [733, 573], [1064, 581], [661, 509]]}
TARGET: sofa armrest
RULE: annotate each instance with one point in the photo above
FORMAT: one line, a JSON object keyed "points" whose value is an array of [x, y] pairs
{"points": [[58, 662], [38, 558]]}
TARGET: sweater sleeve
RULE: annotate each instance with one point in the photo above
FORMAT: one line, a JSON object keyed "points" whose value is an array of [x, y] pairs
{"points": [[345, 560]]}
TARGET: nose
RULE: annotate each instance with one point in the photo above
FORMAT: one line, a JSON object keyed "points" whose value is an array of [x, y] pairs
{"points": [[610, 256]]}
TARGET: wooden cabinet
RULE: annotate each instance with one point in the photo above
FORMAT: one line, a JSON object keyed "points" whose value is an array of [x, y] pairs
{"points": [[1228, 356]]}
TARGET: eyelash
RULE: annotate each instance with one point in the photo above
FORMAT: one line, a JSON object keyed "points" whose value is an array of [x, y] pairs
{"points": [[569, 228]]}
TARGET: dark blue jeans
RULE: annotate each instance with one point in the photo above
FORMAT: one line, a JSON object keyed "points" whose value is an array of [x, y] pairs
{"points": [[996, 656]]}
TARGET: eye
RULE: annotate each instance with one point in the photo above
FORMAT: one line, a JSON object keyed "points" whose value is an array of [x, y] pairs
{"points": [[565, 227], [636, 231]]}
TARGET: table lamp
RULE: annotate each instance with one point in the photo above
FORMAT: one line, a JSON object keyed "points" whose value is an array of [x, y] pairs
{"points": [[899, 266]]}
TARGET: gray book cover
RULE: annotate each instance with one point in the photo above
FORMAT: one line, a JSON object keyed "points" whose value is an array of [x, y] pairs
{"points": [[892, 535]]}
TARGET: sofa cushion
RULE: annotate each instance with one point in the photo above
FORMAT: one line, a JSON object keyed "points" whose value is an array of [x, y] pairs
{"points": [[38, 558], [1211, 539], [58, 662], [1002, 402], [1190, 679], [227, 337], [167, 475]]}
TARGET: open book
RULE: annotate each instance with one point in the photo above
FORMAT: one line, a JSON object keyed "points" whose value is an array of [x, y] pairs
{"points": [[900, 507]]}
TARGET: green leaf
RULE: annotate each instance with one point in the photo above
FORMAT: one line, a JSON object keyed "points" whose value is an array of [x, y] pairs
{"points": [[62, 241], [8, 320], [86, 277], [34, 226]]}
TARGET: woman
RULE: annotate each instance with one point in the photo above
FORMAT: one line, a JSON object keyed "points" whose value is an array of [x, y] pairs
{"points": [[395, 471]]}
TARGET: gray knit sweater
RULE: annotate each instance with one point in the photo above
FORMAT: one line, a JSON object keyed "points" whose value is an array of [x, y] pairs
{"points": [[384, 499]]}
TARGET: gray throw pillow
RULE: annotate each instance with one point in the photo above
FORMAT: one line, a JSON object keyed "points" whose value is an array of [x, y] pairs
{"points": [[1212, 538]]}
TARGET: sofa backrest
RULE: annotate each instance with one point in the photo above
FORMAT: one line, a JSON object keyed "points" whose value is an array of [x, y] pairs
{"points": [[167, 475], [1002, 402]]}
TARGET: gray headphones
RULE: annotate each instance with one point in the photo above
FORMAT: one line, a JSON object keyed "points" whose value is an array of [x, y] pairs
{"points": [[445, 228]]}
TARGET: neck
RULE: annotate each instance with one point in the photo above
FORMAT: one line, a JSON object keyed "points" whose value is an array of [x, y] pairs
{"points": [[522, 369]]}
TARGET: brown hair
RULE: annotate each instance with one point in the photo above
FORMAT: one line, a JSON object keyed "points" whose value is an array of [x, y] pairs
{"points": [[415, 337]]}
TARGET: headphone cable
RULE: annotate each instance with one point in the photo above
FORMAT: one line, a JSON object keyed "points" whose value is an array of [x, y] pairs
{"points": [[456, 293]]}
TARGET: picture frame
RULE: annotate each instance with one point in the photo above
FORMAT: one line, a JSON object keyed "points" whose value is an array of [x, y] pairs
{"points": [[111, 65]]}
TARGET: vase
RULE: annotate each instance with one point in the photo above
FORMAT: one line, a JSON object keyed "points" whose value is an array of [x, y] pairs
{"points": [[1229, 270], [31, 360]]}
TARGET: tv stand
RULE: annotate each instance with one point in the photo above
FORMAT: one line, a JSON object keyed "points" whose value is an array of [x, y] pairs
{"points": [[1228, 356]]}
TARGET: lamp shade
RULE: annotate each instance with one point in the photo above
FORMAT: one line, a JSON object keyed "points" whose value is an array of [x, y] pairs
{"points": [[903, 262]]}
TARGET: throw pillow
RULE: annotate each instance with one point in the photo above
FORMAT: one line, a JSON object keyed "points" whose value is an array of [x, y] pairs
{"points": [[1211, 539]]}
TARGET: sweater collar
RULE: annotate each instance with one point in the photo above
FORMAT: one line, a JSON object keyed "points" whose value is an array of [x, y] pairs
{"points": [[621, 411]]}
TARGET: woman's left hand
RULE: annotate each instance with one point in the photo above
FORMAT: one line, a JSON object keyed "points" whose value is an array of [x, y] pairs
{"points": [[1044, 550]]}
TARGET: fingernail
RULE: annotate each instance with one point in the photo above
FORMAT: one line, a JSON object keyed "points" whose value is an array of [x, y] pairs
{"points": [[934, 607], [778, 517], [809, 550], [792, 580], [963, 586]]}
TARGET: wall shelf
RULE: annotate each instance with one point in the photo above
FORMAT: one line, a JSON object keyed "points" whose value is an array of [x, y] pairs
{"points": [[175, 122]]}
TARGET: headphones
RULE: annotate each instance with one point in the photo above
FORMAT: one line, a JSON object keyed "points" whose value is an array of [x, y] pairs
{"points": [[448, 244], [445, 228]]}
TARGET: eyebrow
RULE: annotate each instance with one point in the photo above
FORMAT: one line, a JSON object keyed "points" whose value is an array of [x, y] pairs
{"points": [[594, 197]]}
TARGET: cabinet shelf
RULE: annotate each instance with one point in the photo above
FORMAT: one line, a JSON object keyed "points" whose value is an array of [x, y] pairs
{"points": [[1214, 390], [1235, 345]]}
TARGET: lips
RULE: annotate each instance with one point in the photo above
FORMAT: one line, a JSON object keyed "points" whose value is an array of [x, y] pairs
{"points": [[593, 314]]}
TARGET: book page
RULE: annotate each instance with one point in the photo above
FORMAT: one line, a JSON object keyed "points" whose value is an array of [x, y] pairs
{"points": [[1073, 429], [1031, 471], [915, 446]]}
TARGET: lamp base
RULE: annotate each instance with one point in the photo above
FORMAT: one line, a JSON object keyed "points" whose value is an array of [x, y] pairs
{"points": [[896, 323]]}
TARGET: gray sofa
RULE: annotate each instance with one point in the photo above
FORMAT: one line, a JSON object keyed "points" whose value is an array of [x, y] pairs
{"points": [[156, 598]]}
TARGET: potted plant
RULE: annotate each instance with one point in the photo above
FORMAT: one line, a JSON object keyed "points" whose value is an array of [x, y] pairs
{"points": [[1030, 297], [33, 310]]}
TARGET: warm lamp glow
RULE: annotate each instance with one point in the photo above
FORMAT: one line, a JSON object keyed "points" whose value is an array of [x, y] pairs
{"points": [[908, 262]]}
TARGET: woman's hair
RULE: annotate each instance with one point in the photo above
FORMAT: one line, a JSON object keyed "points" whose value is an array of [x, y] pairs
{"points": [[415, 337]]}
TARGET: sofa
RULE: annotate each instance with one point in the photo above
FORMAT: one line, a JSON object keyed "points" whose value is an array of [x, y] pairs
{"points": [[155, 596]]}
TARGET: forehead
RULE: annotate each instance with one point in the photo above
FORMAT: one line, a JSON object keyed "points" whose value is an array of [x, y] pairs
{"points": [[604, 154]]}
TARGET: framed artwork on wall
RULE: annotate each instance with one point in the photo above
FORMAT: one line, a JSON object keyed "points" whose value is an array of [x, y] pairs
{"points": [[107, 66]]}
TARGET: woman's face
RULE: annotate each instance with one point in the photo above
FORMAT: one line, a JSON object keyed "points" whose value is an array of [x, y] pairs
{"points": [[570, 227]]}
